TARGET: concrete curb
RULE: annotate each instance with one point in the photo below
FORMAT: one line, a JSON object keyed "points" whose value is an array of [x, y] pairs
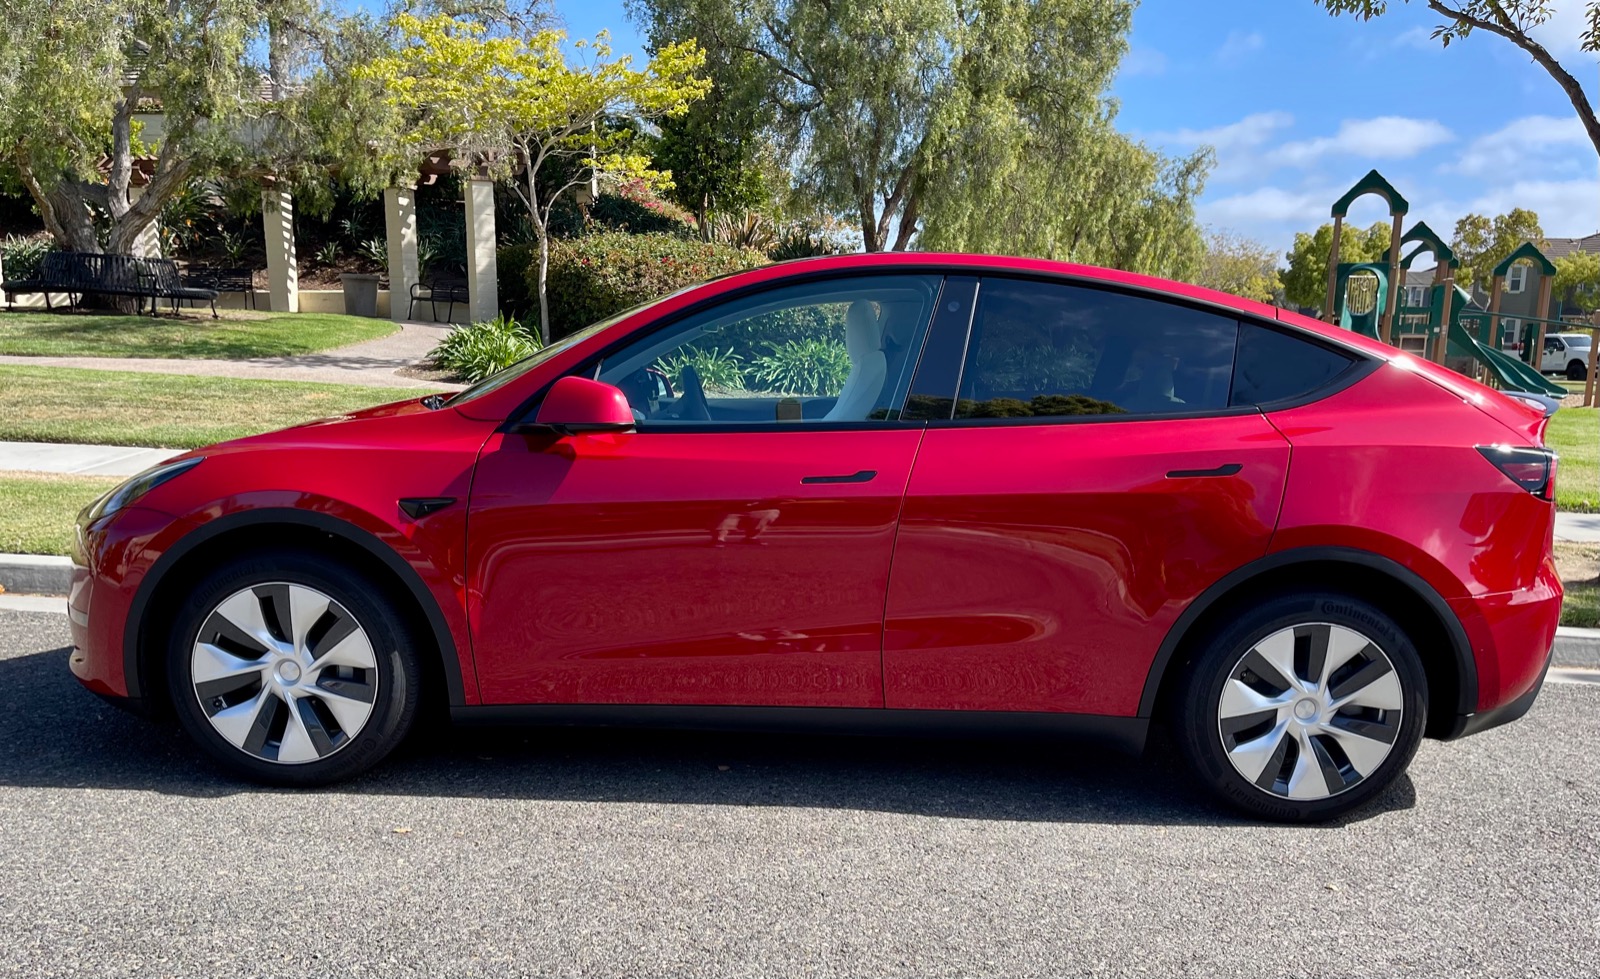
{"points": [[1577, 647], [35, 574]]}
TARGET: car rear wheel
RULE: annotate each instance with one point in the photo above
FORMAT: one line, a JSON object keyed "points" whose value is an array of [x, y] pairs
{"points": [[1577, 371], [1304, 707], [292, 672]]}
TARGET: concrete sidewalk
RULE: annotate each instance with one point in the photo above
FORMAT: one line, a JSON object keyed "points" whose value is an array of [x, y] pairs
{"points": [[1580, 527], [371, 363], [80, 460]]}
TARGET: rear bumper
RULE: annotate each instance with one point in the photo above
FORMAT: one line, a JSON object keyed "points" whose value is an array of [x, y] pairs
{"points": [[1466, 724]]}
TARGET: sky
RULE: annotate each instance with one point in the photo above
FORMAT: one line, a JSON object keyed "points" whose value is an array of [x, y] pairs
{"points": [[1300, 105]]}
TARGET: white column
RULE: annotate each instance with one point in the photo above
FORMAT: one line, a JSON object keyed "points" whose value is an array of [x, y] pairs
{"points": [[283, 276], [148, 242], [482, 290], [400, 222]]}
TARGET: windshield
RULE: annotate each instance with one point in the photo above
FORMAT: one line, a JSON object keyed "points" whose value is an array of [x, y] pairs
{"points": [[523, 366]]}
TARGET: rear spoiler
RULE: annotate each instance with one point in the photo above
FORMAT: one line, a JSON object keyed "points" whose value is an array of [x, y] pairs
{"points": [[1539, 402]]}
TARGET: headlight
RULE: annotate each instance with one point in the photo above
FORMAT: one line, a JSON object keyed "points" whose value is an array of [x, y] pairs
{"points": [[136, 487]]}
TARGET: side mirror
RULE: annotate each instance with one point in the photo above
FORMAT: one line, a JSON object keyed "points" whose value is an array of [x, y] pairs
{"points": [[576, 405]]}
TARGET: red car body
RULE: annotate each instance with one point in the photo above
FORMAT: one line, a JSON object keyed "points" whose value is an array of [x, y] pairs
{"points": [[1045, 572]]}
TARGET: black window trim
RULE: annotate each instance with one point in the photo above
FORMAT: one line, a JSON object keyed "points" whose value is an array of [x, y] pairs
{"points": [[1362, 364]]}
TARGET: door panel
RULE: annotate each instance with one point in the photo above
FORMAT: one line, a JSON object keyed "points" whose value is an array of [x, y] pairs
{"points": [[1039, 567], [684, 568]]}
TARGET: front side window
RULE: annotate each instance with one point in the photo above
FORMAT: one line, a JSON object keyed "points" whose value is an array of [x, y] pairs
{"points": [[832, 351], [1048, 349]]}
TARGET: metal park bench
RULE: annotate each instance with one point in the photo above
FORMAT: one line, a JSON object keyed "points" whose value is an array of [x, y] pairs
{"points": [[78, 274], [449, 289]]}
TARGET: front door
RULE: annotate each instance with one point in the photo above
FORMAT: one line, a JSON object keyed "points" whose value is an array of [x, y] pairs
{"points": [[735, 548]]}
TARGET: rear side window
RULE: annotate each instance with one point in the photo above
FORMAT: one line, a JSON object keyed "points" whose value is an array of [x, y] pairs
{"points": [[1051, 349], [1275, 366]]}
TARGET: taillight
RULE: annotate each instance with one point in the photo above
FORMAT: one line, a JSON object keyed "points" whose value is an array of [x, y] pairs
{"points": [[1532, 469]]}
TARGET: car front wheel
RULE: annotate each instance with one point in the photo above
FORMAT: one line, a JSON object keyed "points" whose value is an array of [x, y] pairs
{"points": [[1304, 707], [292, 672], [1577, 371]]}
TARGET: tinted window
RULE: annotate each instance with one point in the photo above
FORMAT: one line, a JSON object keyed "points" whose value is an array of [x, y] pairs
{"points": [[1043, 349], [837, 350], [1275, 366]]}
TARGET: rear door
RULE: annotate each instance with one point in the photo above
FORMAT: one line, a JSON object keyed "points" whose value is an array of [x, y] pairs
{"points": [[1091, 478]]}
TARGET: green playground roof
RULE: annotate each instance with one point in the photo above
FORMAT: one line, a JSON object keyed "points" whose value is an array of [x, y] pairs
{"points": [[1372, 183], [1529, 252]]}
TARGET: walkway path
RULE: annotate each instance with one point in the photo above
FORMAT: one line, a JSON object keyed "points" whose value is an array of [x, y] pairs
{"points": [[371, 363]]}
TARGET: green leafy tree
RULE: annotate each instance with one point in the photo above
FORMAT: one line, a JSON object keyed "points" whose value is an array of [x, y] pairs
{"points": [[983, 126], [512, 102], [1481, 243], [1578, 280], [1305, 281], [1513, 20], [1239, 265]]}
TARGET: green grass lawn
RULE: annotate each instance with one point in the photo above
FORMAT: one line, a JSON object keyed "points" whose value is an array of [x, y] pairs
{"points": [[193, 334], [1579, 565], [37, 509], [1575, 434], [58, 404]]}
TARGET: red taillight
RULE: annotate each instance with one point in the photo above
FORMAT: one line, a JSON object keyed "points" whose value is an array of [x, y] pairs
{"points": [[1532, 469]]}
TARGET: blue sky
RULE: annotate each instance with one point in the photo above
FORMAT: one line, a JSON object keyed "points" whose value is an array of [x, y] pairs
{"points": [[1299, 105]]}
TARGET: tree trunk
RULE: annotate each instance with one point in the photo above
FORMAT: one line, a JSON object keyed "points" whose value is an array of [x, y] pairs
{"points": [[702, 217], [544, 298]]}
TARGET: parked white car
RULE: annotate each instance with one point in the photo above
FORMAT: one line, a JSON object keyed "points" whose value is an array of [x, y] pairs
{"points": [[1566, 353]]}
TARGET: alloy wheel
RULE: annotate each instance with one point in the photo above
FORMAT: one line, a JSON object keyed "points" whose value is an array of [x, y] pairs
{"points": [[1310, 711], [284, 673]]}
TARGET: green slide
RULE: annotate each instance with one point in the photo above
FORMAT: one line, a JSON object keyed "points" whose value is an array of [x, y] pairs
{"points": [[1512, 373]]}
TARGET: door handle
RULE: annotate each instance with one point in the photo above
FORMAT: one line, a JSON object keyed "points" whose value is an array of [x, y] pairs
{"points": [[861, 476], [1227, 469]]}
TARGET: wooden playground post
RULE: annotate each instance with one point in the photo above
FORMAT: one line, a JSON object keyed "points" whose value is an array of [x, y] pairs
{"points": [[1443, 348], [1594, 350], [1494, 310], [1333, 270], [1386, 318], [1544, 310]]}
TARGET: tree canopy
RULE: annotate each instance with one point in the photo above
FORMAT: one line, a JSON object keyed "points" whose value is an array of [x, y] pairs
{"points": [[1236, 264], [981, 126], [1578, 280], [1481, 243], [1305, 281]]}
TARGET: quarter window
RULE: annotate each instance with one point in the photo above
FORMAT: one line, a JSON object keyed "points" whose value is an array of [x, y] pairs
{"points": [[1042, 349], [832, 351], [1275, 366]]}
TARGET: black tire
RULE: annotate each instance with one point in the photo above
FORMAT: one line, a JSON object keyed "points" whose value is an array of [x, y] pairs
{"points": [[1199, 726], [1577, 370], [395, 660]]}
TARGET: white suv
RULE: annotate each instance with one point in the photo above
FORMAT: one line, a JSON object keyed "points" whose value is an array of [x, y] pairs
{"points": [[1566, 353]]}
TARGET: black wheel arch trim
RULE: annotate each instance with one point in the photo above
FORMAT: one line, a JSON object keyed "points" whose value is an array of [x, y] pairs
{"points": [[1460, 645], [449, 656]]}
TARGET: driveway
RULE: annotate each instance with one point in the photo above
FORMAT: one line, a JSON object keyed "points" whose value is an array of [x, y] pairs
{"points": [[500, 853]]}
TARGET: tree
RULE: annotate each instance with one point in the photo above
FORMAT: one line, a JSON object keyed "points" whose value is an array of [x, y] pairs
{"points": [[79, 74], [1513, 20], [508, 102], [1481, 243], [1236, 264], [1305, 281], [982, 126], [714, 150], [1578, 280]]}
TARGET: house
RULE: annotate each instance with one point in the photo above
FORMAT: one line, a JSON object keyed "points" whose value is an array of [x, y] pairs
{"points": [[1521, 294]]}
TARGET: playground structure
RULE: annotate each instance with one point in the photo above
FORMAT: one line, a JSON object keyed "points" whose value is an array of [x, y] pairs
{"points": [[1366, 297]]}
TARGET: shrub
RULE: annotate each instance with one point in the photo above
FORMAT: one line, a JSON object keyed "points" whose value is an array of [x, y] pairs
{"points": [[472, 353], [23, 255], [715, 368], [515, 267], [812, 367], [597, 276]]}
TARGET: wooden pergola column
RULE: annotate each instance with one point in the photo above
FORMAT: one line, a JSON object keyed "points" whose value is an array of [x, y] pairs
{"points": [[283, 274]]}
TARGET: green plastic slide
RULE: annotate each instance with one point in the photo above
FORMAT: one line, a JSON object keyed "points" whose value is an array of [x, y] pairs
{"points": [[1512, 373]]}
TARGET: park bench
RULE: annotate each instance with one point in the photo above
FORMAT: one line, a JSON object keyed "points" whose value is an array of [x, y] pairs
{"points": [[223, 280], [448, 288], [81, 273]]}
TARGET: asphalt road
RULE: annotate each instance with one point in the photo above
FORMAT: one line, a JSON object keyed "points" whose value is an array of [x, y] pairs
{"points": [[642, 854]]}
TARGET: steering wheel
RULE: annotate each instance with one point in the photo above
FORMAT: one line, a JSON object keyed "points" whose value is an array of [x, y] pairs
{"points": [[692, 403]]}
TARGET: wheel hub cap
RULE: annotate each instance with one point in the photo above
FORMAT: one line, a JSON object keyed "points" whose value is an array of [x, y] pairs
{"points": [[1310, 711], [284, 673]]}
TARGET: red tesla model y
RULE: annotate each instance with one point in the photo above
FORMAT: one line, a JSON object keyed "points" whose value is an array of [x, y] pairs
{"points": [[876, 492]]}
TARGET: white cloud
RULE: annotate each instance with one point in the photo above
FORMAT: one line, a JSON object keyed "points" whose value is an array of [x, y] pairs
{"points": [[1144, 61], [1566, 208], [1383, 138], [1267, 206], [1236, 143], [1532, 142], [1419, 38], [1563, 32], [1239, 44]]}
